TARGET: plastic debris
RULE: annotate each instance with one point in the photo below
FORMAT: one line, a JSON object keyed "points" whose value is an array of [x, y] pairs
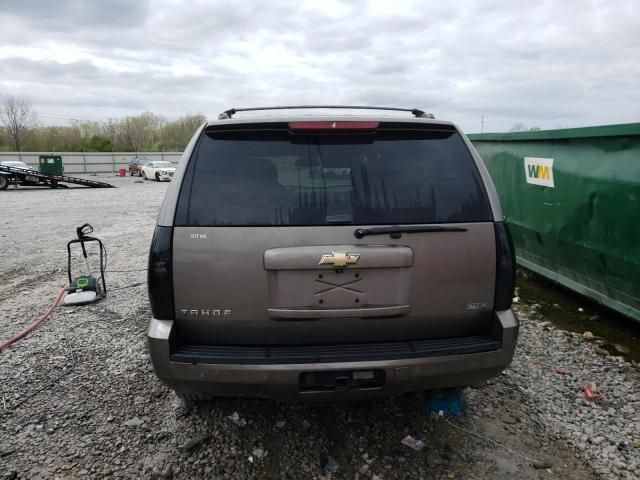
{"points": [[593, 394], [560, 371], [330, 466], [280, 424], [414, 443], [259, 453], [235, 418], [588, 336], [194, 442], [446, 404]]}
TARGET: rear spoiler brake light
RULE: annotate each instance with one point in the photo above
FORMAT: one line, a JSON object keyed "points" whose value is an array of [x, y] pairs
{"points": [[333, 125]]}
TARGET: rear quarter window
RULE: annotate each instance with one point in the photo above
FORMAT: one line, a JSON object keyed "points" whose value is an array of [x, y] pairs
{"points": [[279, 178]]}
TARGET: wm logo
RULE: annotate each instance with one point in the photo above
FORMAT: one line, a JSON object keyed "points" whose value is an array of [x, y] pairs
{"points": [[539, 171]]}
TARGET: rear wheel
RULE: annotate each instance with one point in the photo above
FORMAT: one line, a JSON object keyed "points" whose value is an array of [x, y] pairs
{"points": [[4, 182]]}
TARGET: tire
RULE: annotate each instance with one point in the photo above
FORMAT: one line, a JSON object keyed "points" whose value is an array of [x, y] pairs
{"points": [[144, 175], [4, 182], [157, 177], [132, 174], [139, 173]]}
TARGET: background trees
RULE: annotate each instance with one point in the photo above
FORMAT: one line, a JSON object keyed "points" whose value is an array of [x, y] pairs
{"points": [[18, 119], [20, 131]]}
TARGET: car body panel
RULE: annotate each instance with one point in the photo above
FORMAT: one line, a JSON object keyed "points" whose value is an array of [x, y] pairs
{"points": [[224, 269], [281, 381]]}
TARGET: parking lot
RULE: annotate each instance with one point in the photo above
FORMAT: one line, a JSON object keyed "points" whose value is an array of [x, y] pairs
{"points": [[78, 397]]}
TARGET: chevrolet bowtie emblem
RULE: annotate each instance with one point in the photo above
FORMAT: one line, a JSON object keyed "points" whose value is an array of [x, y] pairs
{"points": [[339, 259]]}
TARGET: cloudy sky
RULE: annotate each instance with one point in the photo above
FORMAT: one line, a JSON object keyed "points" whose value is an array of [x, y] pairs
{"points": [[543, 63]]}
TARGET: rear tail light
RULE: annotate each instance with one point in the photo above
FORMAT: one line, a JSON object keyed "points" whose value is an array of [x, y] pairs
{"points": [[160, 274], [506, 267], [333, 125]]}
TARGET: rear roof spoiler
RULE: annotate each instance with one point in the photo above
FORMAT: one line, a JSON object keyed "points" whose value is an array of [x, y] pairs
{"points": [[415, 111]]}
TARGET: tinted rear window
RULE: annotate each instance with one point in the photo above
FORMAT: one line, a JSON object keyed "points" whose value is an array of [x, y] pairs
{"points": [[279, 178]]}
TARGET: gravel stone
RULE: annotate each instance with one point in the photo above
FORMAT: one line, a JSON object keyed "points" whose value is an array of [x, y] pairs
{"points": [[82, 398]]}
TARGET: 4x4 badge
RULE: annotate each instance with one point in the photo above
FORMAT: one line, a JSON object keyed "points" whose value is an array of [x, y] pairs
{"points": [[339, 259]]}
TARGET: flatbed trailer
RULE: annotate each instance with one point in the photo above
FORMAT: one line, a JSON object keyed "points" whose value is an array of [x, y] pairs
{"points": [[33, 178]]}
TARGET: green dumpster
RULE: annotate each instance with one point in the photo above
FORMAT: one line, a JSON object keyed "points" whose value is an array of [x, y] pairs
{"points": [[51, 164], [572, 200]]}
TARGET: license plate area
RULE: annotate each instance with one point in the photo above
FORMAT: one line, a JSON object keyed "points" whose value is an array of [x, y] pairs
{"points": [[341, 380], [297, 278]]}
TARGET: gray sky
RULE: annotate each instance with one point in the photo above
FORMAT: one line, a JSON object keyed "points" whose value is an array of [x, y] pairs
{"points": [[544, 63]]}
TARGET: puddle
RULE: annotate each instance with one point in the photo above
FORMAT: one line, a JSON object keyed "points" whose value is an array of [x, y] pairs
{"points": [[570, 311]]}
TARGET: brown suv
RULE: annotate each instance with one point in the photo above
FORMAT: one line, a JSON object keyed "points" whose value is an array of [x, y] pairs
{"points": [[330, 257]]}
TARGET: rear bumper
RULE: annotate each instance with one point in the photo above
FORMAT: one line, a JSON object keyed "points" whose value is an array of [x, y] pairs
{"points": [[281, 381]]}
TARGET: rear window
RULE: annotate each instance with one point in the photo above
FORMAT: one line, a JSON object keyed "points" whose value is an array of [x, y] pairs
{"points": [[279, 178]]}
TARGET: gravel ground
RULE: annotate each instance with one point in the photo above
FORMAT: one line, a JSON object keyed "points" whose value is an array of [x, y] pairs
{"points": [[79, 397]]}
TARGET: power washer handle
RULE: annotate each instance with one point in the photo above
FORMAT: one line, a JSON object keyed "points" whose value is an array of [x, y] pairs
{"points": [[83, 232]]}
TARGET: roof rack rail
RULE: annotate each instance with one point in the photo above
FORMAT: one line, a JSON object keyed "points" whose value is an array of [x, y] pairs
{"points": [[416, 112]]}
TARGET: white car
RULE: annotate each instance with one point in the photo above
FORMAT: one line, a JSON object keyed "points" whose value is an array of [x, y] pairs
{"points": [[15, 163], [159, 170]]}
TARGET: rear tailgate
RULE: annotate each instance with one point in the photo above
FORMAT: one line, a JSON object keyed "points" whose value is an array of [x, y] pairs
{"points": [[224, 291], [265, 251]]}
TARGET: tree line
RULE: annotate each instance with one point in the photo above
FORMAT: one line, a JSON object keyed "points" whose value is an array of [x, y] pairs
{"points": [[21, 130]]}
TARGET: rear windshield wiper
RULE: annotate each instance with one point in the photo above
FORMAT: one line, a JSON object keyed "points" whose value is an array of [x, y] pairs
{"points": [[397, 230]]}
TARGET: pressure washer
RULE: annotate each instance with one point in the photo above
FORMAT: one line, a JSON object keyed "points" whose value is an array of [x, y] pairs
{"points": [[85, 289]]}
